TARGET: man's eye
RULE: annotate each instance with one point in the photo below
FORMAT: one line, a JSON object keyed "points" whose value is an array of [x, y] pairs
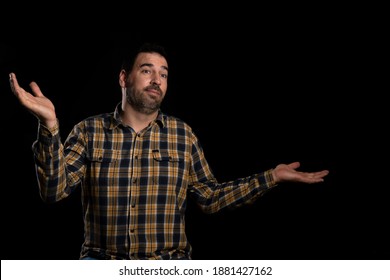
{"points": [[165, 76], [146, 71]]}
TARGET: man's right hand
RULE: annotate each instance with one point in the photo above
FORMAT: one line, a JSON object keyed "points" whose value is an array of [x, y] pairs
{"points": [[39, 105]]}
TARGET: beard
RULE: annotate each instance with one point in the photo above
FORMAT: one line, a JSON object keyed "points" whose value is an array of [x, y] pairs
{"points": [[143, 102]]}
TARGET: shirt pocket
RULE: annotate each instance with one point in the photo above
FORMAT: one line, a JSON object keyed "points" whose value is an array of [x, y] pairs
{"points": [[103, 162], [103, 156], [170, 175], [102, 173], [165, 156]]}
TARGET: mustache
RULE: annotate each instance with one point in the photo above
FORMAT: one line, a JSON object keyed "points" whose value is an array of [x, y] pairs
{"points": [[154, 87]]}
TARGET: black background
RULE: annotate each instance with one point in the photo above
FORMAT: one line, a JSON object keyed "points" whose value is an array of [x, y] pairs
{"points": [[257, 92]]}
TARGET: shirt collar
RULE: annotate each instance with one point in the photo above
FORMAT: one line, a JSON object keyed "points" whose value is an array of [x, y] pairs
{"points": [[116, 119]]}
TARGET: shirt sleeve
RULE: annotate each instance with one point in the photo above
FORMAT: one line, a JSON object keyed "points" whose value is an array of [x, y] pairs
{"points": [[59, 169], [212, 196]]}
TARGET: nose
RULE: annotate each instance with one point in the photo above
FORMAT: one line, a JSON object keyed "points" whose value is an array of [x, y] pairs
{"points": [[155, 79]]}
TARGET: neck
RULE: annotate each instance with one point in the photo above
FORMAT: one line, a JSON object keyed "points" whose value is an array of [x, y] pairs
{"points": [[135, 119]]}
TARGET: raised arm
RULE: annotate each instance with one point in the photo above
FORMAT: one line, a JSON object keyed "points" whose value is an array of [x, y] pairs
{"points": [[36, 103]]}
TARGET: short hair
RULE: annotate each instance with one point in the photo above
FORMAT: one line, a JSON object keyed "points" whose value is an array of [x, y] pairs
{"points": [[148, 47]]}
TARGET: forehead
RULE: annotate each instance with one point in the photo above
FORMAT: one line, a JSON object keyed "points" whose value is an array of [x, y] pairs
{"points": [[151, 59]]}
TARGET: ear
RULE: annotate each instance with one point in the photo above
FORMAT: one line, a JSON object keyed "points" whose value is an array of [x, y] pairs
{"points": [[122, 78]]}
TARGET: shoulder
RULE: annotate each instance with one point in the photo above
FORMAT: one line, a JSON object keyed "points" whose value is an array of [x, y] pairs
{"points": [[175, 122], [95, 121], [179, 127]]}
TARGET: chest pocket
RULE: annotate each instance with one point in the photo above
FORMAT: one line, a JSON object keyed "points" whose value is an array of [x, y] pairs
{"points": [[165, 156], [102, 175], [168, 167], [104, 157]]}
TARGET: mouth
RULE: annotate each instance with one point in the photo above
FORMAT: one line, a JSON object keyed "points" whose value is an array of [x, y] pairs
{"points": [[154, 91]]}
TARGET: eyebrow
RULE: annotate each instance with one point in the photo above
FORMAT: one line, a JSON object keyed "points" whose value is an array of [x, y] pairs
{"points": [[151, 65]]}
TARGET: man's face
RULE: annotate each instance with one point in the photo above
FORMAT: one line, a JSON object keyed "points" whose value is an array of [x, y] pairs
{"points": [[147, 83]]}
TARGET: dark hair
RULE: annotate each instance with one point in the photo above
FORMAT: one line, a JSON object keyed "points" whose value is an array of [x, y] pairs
{"points": [[129, 59]]}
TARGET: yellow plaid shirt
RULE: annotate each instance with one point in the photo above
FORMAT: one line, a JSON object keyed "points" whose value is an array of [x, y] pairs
{"points": [[135, 185]]}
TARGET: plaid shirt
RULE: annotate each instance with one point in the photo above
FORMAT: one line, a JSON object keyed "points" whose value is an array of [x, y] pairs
{"points": [[135, 185]]}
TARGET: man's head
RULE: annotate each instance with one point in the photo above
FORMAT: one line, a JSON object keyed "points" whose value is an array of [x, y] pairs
{"points": [[144, 78]]}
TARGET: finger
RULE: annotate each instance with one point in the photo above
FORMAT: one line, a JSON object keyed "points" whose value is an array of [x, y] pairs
{"points": [[322, 173], [18, 91], [14, 83], [312, 179], [294, 165], [35, 89]]}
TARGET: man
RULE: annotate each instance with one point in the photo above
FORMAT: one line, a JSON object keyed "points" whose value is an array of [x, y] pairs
{"points": [[136, 166]]}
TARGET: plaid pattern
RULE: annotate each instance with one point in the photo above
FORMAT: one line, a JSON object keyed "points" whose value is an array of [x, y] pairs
{"points": [[135, 185]]}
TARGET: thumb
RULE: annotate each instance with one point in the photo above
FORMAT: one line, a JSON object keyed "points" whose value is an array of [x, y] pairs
{"points": [[35, 89], [294, 165]]}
